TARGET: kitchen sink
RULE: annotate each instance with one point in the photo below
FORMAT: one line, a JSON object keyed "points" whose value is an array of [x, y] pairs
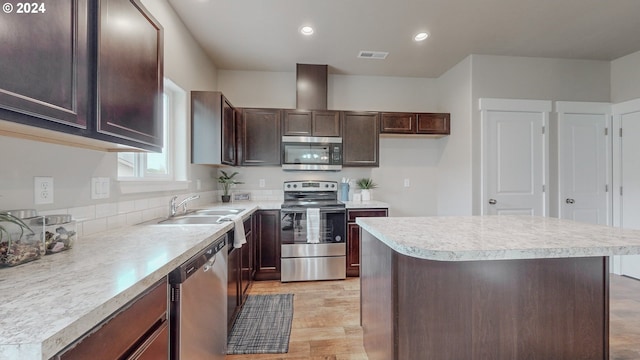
{"points": [[199, 217], [191, 220], [217, 211]]}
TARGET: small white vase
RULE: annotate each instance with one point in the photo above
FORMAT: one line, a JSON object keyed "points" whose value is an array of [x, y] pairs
{"points": [[366, 194]]}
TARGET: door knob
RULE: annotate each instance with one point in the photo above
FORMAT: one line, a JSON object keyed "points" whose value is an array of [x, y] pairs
{"points": [[570, 201], [493, 201]]}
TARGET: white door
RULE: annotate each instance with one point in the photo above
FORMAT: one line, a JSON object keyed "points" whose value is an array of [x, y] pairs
{"points": [[627, 175], [583, 161], [514, 156]]}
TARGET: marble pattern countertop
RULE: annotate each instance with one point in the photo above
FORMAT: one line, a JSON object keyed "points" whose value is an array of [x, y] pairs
{"points": [[49, 303], [462, 238]]}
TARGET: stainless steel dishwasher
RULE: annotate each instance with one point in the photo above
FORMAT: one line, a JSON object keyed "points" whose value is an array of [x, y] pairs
{"points": [[198, 307]]}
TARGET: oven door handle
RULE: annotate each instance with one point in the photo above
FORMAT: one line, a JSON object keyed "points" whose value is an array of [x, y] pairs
{"points": [[304, 210]]}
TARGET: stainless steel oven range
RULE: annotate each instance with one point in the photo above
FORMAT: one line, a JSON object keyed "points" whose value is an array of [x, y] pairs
{"points": [[313, 232]]}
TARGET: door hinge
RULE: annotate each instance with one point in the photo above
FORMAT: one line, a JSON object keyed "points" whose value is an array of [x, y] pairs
{"points": [[606, 131], [620, 190], [543, 130], [543, 188], [606, 188], [620, 132]]}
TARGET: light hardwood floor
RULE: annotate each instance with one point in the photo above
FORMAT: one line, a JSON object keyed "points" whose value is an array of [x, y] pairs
{"points": [[326, 319]]}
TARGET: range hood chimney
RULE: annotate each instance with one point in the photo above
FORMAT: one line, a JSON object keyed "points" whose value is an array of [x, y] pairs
{"points": [[311, 87]]}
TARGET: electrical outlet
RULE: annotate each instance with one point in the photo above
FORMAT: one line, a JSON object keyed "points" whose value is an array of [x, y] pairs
{"points": [[407, 183], [198, 184], [43, 190], [261, 183]]}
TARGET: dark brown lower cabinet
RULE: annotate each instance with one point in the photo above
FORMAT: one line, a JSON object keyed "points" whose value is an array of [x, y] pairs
{"points": [[233, 285], [353, 236], [139, 330], [267, 245], [240, 273], [246, 262], [550, 308]]}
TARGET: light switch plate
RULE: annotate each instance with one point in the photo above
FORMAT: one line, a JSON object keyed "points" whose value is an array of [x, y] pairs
{"points": [[43, 190], [100, 188]]}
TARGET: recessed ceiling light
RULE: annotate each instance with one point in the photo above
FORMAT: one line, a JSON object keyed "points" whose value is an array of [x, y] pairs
{"points": [[421, 36], [306, 30]]}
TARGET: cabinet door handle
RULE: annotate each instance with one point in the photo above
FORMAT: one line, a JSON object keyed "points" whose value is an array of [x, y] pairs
{"points": [[492, 201], [570, 201]]}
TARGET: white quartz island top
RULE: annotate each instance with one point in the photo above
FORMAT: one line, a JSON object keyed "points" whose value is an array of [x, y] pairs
{"points": [[48, 303], [466, 238]]}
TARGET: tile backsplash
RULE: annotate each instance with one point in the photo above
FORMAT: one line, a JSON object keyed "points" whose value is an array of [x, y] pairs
{"points": [[92, 219]]}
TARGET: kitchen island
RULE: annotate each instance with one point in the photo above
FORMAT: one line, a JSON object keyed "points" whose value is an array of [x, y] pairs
{"points": [[492, 287]]}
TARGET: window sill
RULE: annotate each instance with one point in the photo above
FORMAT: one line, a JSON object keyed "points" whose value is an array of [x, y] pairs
{"points": [[146, 186]]}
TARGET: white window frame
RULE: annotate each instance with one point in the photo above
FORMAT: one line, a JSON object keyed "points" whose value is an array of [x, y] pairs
{"points": [[175, 143]]}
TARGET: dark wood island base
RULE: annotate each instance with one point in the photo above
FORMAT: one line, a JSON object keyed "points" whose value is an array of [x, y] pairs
{"points": [[551, 308]]}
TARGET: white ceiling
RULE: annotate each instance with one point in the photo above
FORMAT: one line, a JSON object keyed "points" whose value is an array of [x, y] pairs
{"points": [[262, 35]]}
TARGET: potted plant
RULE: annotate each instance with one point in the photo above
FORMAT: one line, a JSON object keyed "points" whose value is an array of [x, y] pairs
{"points": [[365, 185], [227, 180]]}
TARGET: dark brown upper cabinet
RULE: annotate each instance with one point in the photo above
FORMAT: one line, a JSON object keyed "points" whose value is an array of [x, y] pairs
{"points": [[434, 123], [311, 123], [360, 135], [259, 137], [213, 129], [129, 74], [415, 123], [44, 77]]}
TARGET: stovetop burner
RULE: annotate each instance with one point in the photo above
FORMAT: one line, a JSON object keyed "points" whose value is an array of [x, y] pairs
{"points": [[320, 194]]}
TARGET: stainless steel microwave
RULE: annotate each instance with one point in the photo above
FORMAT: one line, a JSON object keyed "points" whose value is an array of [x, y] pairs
{"points": [[311, 153]]}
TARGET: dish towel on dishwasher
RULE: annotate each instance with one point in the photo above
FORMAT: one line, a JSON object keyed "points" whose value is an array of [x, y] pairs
{"points": [[313, 225], [239, 237]]}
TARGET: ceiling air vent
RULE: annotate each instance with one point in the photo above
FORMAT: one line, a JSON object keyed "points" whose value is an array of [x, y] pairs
{"points": [[378, 55]]}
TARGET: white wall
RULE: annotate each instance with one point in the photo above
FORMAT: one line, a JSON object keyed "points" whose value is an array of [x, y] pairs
{"points": [[625, 78], [454, 168], [532, 78], [259, 88], [72, 168]]}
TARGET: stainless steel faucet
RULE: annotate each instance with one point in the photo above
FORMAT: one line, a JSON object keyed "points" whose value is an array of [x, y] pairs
{"points": [[173, 207]]}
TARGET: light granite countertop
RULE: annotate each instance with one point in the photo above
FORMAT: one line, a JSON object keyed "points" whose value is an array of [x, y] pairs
{"points": [[49, 303], [463, 238]]}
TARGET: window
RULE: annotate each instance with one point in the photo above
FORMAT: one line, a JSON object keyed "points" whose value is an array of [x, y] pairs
{"points": [[165, 170]]}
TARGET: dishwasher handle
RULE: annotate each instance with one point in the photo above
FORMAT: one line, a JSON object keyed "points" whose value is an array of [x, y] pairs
{"points": [[204, 259], [210, 263]]}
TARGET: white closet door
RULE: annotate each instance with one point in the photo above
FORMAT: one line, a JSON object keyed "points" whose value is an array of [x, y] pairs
{"points": [[583, 161], [627, 175], [514, 156]]}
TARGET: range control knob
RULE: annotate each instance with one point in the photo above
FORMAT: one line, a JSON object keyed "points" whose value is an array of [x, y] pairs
{"points": [[288, 186], [295, 185]]}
